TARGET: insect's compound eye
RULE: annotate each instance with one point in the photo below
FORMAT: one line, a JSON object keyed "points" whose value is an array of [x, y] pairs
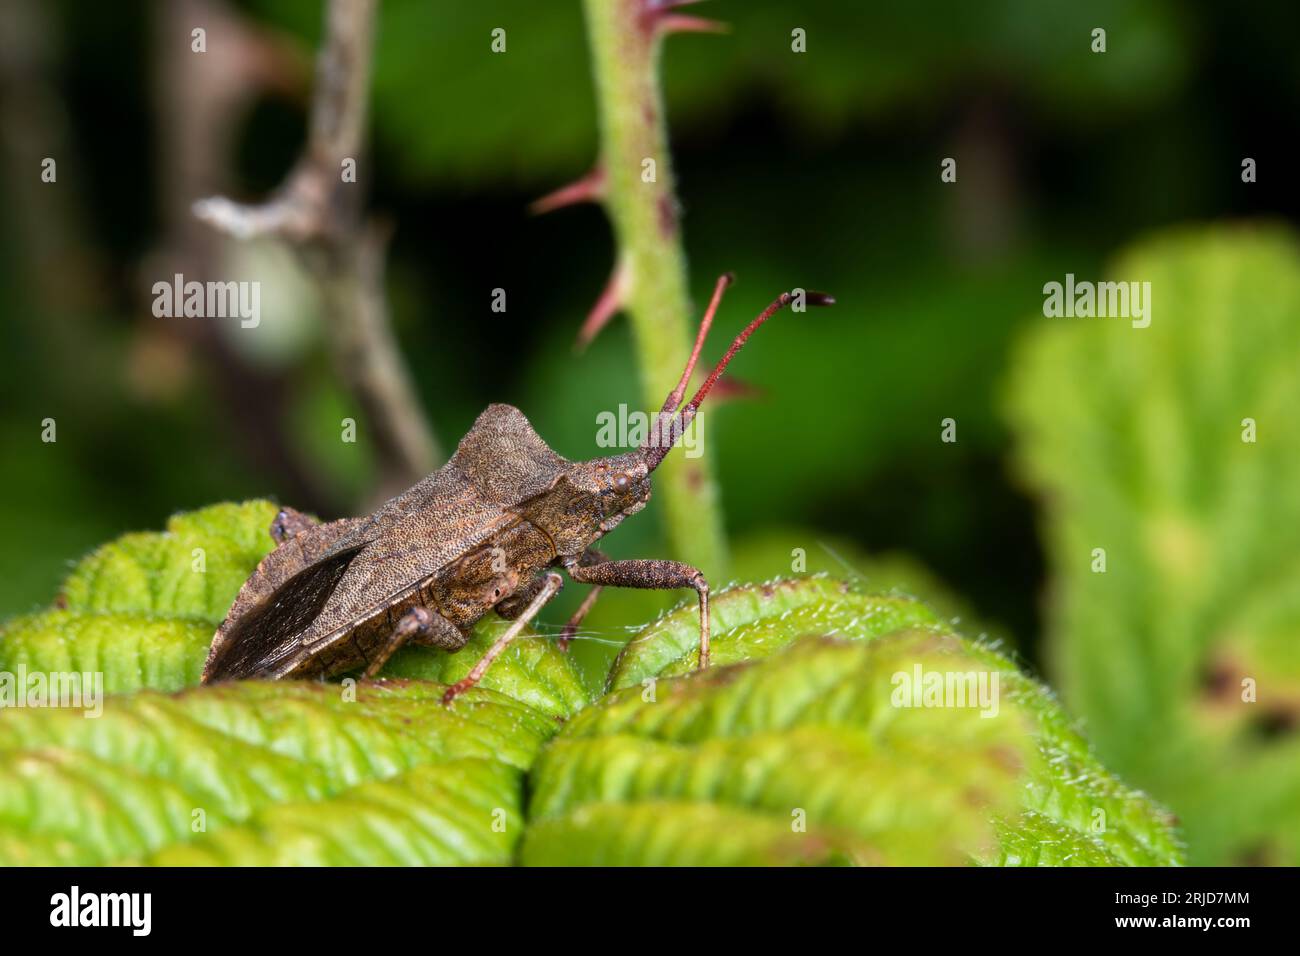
{"points": [[621, 482]]}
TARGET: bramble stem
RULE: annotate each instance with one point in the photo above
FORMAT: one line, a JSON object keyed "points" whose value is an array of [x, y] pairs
{"points": [[642, 204]]}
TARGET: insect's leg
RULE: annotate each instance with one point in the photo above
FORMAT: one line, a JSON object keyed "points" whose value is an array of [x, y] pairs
{"points": [[511, 607], [660, 575], [589, 557], [551, 585], [417, 624], [571, 626], [289, 523], [440, 633]]}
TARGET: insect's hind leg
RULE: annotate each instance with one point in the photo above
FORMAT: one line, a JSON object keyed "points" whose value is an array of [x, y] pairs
{"points": [[418, 625]]}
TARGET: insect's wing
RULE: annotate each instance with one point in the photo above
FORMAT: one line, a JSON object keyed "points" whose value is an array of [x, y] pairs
{"points": [[292, 556], [500, 463], [269, 632]]}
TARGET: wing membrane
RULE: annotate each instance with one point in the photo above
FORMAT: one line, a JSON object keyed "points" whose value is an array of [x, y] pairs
{"points": [[271, 631]]}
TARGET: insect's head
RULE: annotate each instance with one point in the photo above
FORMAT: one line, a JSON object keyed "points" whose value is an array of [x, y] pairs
{"points": [[620, 485], [671, 423]]}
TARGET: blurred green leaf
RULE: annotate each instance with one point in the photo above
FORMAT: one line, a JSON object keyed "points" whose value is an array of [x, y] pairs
{"points": [[1134, 437], [494, 120], [131, 651], [675, 833], [192, 570]]}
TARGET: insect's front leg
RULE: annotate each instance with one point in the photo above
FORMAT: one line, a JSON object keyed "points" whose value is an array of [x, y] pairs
{"points": [[589, 557], [511, 607], [658, 575]]}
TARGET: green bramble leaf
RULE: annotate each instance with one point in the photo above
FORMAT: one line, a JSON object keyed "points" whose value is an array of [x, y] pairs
{"points": [[756, 620], [803, 552], [1172, 454], [192, 570], [535, 672], [288, 773], [795, 753], [142, 609], [807, 755]]}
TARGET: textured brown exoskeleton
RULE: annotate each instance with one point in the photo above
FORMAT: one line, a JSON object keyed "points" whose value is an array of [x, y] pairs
{"points": [[487, 530]]}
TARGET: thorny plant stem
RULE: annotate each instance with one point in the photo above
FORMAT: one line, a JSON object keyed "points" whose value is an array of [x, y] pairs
{"points": [[625, 56]]}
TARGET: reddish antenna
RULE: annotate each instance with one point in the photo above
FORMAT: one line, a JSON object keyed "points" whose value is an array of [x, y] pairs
{"points": [[656, 447]]}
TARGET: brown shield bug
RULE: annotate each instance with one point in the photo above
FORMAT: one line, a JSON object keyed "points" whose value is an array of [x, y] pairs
{"points": [[485, 531]]}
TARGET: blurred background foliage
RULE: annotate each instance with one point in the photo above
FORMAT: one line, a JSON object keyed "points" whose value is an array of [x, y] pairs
{"points": [[819, 170], [1137, 441]]}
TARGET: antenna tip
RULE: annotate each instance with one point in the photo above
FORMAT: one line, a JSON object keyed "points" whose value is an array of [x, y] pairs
{"points": [[819, 298]]}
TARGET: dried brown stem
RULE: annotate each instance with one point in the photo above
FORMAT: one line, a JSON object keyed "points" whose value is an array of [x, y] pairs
{"points": [[319, 215]]}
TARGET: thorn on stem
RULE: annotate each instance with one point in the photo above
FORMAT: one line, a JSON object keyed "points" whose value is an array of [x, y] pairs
{"points": [[683, 23], [610, 301], [657, 16], [590, 188]]}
